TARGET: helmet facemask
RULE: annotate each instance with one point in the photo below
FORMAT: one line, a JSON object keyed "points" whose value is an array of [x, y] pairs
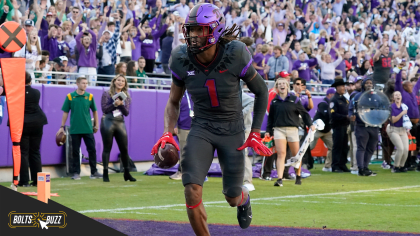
{"points": [[202, 39]]}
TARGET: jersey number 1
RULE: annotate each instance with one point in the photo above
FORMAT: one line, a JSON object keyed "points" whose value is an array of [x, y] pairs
{"points": [[211, 88]]}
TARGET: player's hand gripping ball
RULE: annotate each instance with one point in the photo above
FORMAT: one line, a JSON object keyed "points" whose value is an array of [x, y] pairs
{"points": [[165, 151]]}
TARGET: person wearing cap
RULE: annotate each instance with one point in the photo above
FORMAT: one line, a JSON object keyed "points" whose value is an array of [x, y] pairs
{"points": [[276, 64], [323, 112], [58, 67], [279, 34], [354, 86], [339, 121], [29, 26], [366, 135]]}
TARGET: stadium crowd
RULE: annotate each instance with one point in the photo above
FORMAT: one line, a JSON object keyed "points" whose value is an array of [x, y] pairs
{"points": [[349, 44]]}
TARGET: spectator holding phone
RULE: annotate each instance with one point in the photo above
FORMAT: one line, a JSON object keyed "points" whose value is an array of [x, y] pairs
{"points": [[115, 105]]}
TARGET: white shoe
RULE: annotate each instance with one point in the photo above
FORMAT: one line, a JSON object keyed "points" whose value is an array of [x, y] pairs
{"points": [[176, 176], [250, 187], [327, 169], [354, 172], [305, 175]]}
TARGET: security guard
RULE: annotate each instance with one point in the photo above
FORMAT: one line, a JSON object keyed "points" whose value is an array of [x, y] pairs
{"points": [[339, 121], [366, 136]]}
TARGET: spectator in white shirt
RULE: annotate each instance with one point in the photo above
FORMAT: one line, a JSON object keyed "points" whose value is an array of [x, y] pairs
{"points": [[32, 52], [181, 8]]}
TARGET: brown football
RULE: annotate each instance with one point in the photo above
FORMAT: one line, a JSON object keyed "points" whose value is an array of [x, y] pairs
{"points": [[166, 157], [60, 139]]}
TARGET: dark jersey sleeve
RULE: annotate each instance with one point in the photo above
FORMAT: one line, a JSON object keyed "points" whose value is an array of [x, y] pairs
{"points": [[178, 56], [247, 71]]}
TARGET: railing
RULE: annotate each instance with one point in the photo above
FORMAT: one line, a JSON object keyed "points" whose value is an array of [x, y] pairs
{"points": [[153, 81]]}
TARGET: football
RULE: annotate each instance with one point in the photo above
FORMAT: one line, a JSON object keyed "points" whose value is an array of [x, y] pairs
{"points": [[60, 139], [166, 157]]}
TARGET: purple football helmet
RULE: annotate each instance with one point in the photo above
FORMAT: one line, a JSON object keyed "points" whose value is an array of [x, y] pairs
{"points": [[208, 16]]}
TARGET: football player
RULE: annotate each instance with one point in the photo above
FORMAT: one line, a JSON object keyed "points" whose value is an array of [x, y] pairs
{"points": [[210, 66]]}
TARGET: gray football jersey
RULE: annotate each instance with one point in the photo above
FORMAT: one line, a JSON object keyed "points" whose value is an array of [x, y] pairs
{"points": [[215, 87]]}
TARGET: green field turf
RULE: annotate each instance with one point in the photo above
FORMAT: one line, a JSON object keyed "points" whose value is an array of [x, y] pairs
{"points": [[387, 202]]}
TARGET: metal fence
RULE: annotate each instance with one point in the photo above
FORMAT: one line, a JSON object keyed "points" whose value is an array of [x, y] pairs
{"points": [[153, 81]]}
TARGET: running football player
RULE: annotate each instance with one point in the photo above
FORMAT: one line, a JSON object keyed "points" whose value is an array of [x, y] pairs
{"points": [[210, 66]]}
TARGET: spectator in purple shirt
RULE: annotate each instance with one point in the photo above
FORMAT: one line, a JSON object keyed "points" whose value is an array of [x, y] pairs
{"points": [[137, 34], [260, 60], [183, 127], [408, 95], [148, 45], [51, 43], [303, 66], [397, 133], [86, 46]]}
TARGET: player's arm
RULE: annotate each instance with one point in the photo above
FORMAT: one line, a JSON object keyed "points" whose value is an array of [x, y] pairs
{"points": [[172, 107], [257, 85]]}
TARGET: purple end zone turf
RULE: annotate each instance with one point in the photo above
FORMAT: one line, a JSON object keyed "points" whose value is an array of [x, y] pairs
{"points": [[134, 227]]}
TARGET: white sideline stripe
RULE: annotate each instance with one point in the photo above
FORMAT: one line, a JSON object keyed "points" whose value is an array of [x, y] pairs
{"points": [[256, 199], [345, 203]]}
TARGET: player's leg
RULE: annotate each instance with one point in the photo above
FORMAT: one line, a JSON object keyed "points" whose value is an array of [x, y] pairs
{"points": [[232, 163], [197, 158], [107, 133]]}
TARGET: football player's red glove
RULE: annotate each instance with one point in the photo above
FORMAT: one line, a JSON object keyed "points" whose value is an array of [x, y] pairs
{"points": [[166, 138], [254, 142]]}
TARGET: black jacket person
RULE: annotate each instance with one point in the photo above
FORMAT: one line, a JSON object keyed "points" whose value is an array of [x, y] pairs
{"points": [[339, 122]]}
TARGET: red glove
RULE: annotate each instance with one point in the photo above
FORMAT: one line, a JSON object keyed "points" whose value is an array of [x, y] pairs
{"points": [[254, 142], [166, 138]]}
